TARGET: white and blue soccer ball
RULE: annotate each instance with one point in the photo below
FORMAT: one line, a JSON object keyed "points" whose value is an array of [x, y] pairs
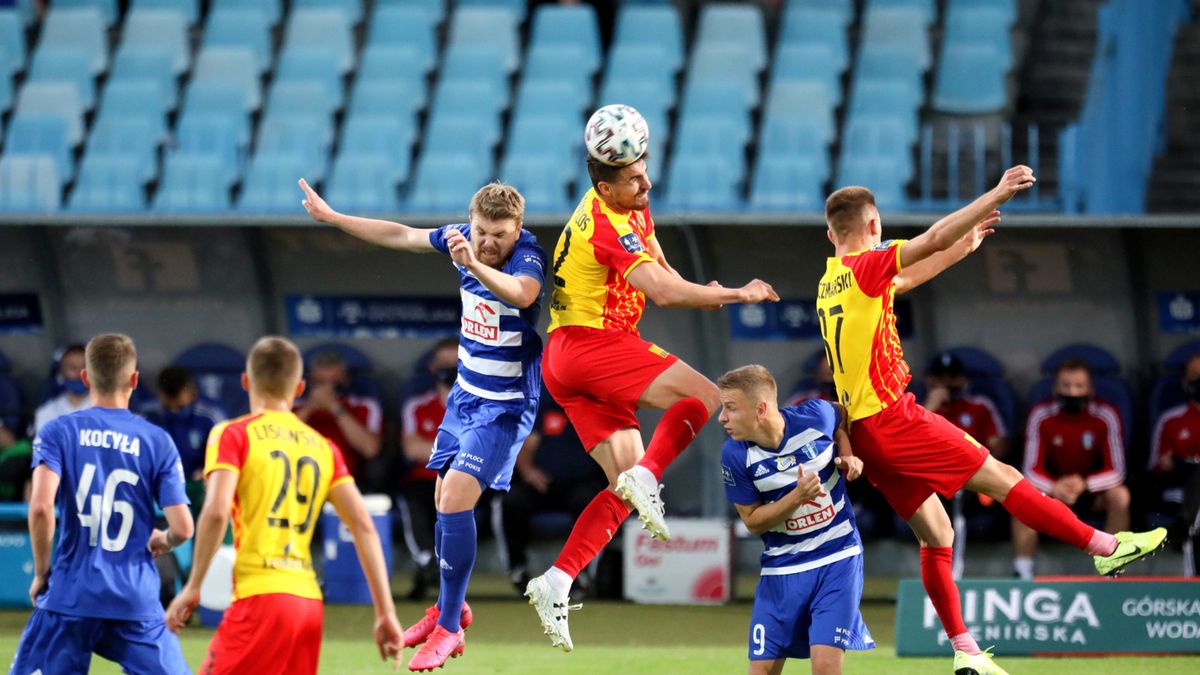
{"points": [[616, 135]]}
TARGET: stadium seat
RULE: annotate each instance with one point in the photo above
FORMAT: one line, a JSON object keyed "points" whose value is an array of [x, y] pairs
{"points": [[217, 369], [388, 138], [487, 26], [106, 8], [445, 183], [726, 63], [707, 136], [82, 28], [795, 136], [812, 63], [222, 137], [232, 66], [403, 25], [193, 184], [515, 7], [715, 98], [889, 62], [402, 63], [700, 186], [556, 63], [163, 28], [652, 26], [272, 8], [878, 136], [352, 8], [125, 138], [6, 93], [387, 98], [1007, 8], [329, 28], [807, 24], [783, 183], [146, 63], [189, 8], [139, 100], [12, 43], [435, 8], [545, 138], [564, 97], [363, 184], [108, 185], [270, 184], [315, 69], [65, 64], [474, 62], [801, 100], [890, 98], [29, 184], [924, 7], [570, 26], [475, 99], [970, 80], [462, 137], [217, 100], [734, 25], [640, 62], [541, 182], [41, 135], [903, 27], [879, 175], [241, 27], [647, 96], [303, 138], [59, 99], [305, 98]]}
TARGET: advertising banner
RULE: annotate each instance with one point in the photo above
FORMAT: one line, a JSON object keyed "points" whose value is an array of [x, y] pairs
{"points": [[693, 568]]}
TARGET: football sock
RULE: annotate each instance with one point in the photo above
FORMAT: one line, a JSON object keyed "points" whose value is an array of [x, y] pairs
{"points": [[937, 576], [594, 528], [677, 428], [456, 558], [559, 580], [1050, 516], [963, 642], [1023, 565], [437, 546]]}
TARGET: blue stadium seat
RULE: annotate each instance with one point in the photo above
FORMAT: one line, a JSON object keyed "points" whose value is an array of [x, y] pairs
{"points": [[649, 26], [795, 136], [217, 369], [108, 185], [706, 136], [222, 137], [270, 184], [475, 99], [435, 8], [980, 27], [138, 100], [314, 66], [116, 136], [29, 184], [727, 63], [303, 140], [889, 62], [545, 136], [800, 99], [106, 8], [783, 183], [218, 100], [541, 183], [65, 64], [460, 137], [59, 99], [1007, 8], [235, 66], [474, 62], [41, 135], [970, 80], [329, 28], [163, 28], [879, 175], [352, 8], [715, 98], [545, 96], [901, 27], [515, 7], [147, 63], [189, 8], [924, 7], [82, 28], [572, 26], [401, 63], [640, 62], [363, 184], [272, 8], [12, 43], [445, 184], [300, 97], [6, 93], [193, 184], [878, 136], [400, 98], [700, 186], [804, 24], [648, 96], [734, 24], [241, 27], [556, 63], [487, 26], [810, 62], [887, 97], [407, 25], [376, 137]]}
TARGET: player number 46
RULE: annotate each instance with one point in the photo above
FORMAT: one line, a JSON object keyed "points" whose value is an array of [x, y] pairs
{"points": [[103, 506]]}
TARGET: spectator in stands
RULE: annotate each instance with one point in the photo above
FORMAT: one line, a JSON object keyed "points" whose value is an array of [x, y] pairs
{"points": [[421, 415], [551, 475], [15, 465], [819, 385], [188, 419], [75, 393], [1074, 453], [1175, 461], [949, 396], [352, 422]]}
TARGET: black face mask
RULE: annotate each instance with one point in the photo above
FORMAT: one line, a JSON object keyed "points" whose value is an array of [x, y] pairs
{"points": [[1072, 404], [1192, 390], [956, 392], [829, 391], [446, 375]]}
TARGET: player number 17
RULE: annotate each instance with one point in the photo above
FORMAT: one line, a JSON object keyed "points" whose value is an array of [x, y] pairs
{"points": [[96, 519], [835, 311]]}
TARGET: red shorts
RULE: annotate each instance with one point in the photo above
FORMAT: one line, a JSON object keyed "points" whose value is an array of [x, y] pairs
{"points": [[267, 634], [909, 453], [597, 376]]}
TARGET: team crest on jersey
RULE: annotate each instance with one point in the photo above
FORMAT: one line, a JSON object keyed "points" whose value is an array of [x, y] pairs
{"points": [[727, 476], [632, 243], [785, 463], [809, 450], [1088, 440], [761, 471], [882, 246]]}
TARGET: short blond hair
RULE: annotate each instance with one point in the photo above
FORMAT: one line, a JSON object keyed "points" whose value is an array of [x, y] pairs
{"points": [[753, 379], [274, 366], [111, 358], [844, 210], [497, 201]]}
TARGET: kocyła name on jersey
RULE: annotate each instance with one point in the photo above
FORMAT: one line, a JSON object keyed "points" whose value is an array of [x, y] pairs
{"points": [[110, 440]]}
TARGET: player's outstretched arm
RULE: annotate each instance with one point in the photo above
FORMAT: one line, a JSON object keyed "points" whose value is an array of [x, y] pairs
{"points": [[519, 291], [353, 512], [41, 526], [946, 232], [179, 529], [381, 232], [214, 518], [760, 518], [918, 273], [668, 290]]}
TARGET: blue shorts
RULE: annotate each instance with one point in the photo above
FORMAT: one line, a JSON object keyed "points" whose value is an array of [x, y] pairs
{"points": [[482, 437], [792, 612], [62, 643]]}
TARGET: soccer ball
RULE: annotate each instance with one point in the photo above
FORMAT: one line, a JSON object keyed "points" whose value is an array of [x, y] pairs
{"points": [[616, 135]]}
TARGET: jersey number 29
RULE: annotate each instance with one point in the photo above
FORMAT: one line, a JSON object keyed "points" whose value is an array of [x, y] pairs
{"points": [[103, 506]]}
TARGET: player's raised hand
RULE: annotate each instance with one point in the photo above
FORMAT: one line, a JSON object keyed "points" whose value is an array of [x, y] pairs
{"points": [[982, 230], [757, 291], [460, 249], [851, 466], [808, 485], [1016, 179], [389, 637], [316, 207], [181, 608]]}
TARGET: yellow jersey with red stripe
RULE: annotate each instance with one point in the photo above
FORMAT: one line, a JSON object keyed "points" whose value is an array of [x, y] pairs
{"points": [[285, 472], [595, 254], [855, 310]]}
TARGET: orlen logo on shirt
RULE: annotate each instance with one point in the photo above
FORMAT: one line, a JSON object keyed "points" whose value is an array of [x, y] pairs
{"points": [[485, 326], [812, 515]]}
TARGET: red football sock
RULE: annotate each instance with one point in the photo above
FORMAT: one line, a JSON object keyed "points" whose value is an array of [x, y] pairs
{"points": [[677, 428], [936, 574], [594, 528], [1047, 515]]}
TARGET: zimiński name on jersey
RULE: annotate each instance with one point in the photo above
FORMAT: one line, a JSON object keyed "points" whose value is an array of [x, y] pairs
{"points": [[110, 440], [831, 288]]}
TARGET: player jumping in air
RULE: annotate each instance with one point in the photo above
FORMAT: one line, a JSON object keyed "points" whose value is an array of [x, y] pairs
{"points": [[106, 468], [607, 262], [781, 473], [494, 401], [275, 473], [910, 453]]}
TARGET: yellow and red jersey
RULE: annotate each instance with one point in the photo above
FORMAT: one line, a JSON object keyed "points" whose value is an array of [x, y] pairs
{"points": [[595, 254], [285, 472], [855, 309]]}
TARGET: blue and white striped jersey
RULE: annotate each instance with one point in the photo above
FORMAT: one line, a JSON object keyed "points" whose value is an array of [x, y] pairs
{"points": [[499, 350], [821, 531]]}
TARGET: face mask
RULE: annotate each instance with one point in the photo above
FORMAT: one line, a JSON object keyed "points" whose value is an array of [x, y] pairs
{"points": [[829, 391], [75, 387], [1192, 389], [956, 392], [1072, 404], [446, 375]]}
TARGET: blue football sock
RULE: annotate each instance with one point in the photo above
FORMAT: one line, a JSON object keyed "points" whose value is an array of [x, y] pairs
{"points": [[437, 546], [456, 558]]}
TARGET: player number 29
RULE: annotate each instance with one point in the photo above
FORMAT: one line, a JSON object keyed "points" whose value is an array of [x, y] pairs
{"points": [[103, 506], [277, 520], [759, 635]]}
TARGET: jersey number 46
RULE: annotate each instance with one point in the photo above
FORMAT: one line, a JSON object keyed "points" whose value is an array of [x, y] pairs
{"points": [[103, 506]]}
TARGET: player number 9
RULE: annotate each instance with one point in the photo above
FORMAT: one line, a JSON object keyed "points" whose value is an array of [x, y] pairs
{"points": [[758, 635]]}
